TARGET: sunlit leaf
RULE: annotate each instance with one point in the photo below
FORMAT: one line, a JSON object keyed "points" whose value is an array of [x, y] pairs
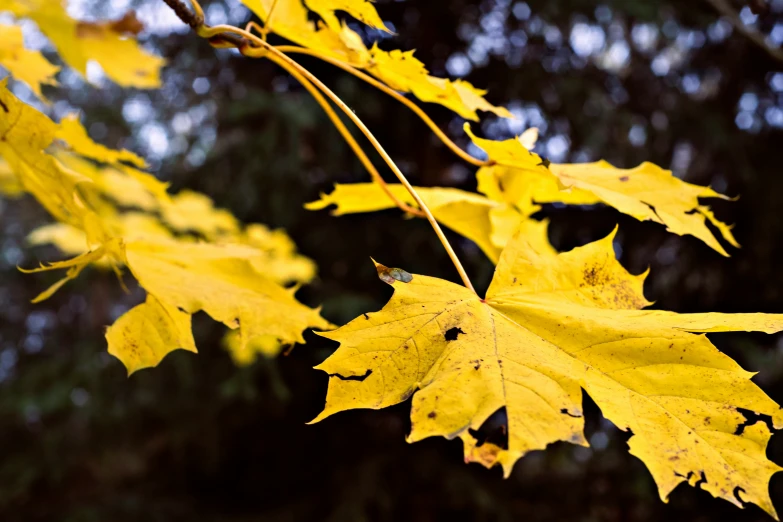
{"points": [[23, 64], [646, 192], [145, 334], [548, 328], [111, 44]]}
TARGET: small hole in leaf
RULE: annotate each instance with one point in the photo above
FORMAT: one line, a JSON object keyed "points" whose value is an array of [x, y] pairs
{"points": [[453, 333], [494, 430]]}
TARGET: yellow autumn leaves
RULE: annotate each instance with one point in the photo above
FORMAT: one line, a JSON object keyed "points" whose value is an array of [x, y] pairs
{"points": [[110, 44], [187, 255], [550, 326], [398, 69], [518, 181]]}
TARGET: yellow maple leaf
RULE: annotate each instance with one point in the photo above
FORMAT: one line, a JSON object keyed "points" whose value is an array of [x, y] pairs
{"points": [[548, 328], [23, 64], [146, 333], [191, 211], [290, 20], [110, 44], [527, 190], [278, 258], [75, 135], [362, 10], [646, 192], [400, 70], [72, 241], [264, 345], [220, 280], [10, 186], [24, 135], [487, 223]]}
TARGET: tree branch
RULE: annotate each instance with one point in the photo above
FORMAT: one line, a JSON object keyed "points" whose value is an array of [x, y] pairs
{"points": [[724, 8], [185, 14], [196, 21]]}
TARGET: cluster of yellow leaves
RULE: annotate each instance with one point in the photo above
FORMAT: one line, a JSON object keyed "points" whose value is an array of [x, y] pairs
{"points": [[549, 327], [110, 44], [187, 255], [400, 70], [519, 181]]}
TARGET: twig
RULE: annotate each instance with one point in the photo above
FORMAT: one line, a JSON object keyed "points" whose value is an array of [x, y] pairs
{"points": [[255, 47], [185, 14], [288, 49], [724, 7], [196, 20]]}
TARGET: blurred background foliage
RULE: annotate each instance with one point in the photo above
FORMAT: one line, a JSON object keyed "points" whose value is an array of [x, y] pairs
{"points": [[198, 439]]}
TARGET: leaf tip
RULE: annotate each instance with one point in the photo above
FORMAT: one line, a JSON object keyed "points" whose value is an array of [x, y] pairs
{"points": [[391, 275]]}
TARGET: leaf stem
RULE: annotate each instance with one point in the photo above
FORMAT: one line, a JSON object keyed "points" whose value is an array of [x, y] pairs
{"points": [[288, 49], [338, 123], [263, 49]]}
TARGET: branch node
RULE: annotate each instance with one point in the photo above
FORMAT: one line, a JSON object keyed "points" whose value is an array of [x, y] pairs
{"points": [[186, 15]]}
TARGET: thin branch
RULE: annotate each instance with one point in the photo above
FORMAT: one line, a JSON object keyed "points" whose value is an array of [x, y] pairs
{"points": [[186, 15], [260, 48], [394, 94], [195, 19], [724, 8], [289, 65], [346, 134]]}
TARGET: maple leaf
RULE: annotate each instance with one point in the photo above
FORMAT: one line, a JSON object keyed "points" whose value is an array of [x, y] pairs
{"points": [[75, 135], [404, 72], [110, 44], [244, 355], [362, 10], [24, 135], [220, 280], [144, 335], [550, 327], [191, 211], [23, 64], [10, 186], [400, 70], [277, 258], [487, 223], [646, 192]]}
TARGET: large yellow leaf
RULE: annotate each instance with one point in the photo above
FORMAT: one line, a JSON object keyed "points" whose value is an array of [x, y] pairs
{"points": [[145, 334], [221, 281], [487, 223], [23, 64], [111, 44], [549, 327], [646, 192]]}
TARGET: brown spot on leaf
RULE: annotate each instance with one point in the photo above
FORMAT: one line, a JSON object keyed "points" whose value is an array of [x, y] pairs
{"points": [[391, 275]]}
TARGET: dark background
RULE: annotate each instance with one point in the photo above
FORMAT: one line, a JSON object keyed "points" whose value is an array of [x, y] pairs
{"points": [[199, 439]]}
